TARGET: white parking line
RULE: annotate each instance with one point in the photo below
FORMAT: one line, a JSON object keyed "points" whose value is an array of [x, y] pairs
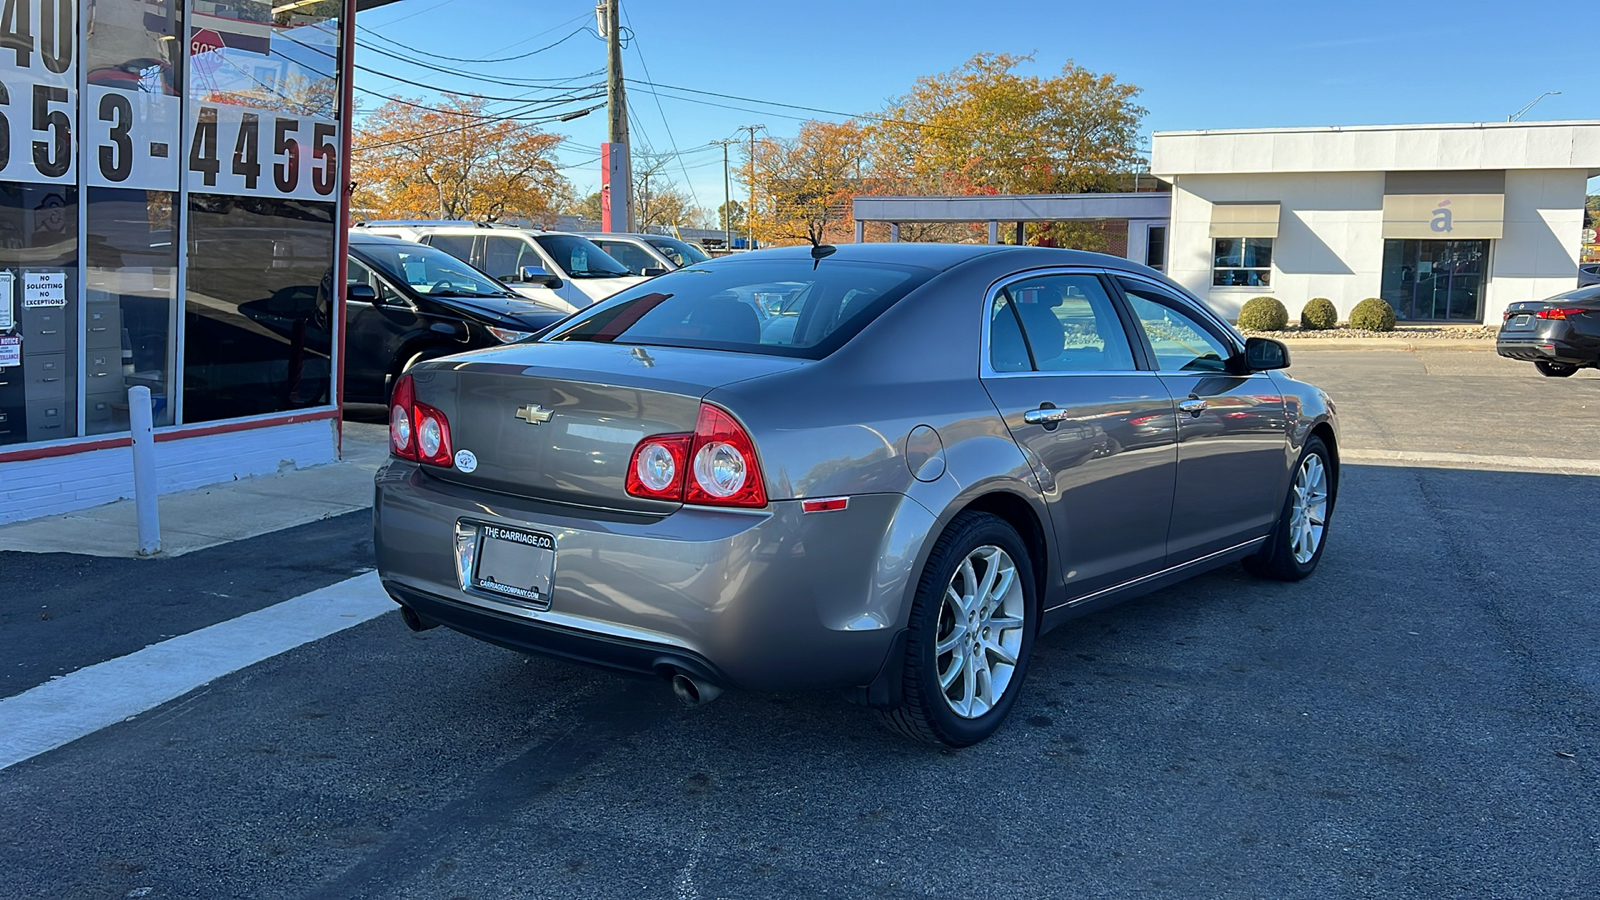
{"points": [[83, 702], [1471, 460]]}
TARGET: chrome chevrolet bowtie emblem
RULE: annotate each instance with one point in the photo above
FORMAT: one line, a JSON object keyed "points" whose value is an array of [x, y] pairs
{"points": [[534, 414]]}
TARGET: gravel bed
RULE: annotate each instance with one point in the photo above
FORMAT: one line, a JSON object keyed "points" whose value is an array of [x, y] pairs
{"points": [[1403, 333]]}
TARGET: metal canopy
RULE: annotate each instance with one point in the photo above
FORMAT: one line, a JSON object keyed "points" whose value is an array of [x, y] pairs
{"points": [[1013, 207]]}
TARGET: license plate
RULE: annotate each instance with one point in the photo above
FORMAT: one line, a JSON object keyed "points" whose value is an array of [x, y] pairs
{"points": [[1520, 321], [515, 563]]}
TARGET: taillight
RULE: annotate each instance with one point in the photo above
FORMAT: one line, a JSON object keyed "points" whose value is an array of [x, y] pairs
{"points": [[417, 431], [723, 460], [656, 470], [715, 466], [1560, 312], [401, 442]]}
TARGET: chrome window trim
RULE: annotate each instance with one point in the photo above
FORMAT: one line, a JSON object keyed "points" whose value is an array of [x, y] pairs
{"points": [[986, 366]]}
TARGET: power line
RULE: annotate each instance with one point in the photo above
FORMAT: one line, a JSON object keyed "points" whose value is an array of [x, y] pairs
{"points": [[548, 84], [575, 32]]}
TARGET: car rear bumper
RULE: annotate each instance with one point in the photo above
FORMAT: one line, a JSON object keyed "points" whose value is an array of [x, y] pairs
{"points": [[775, 599], [1532, 348]]}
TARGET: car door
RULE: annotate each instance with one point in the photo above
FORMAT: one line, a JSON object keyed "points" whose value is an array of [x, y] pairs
{"points": [[374, 333], [1098, 428], [505, 255], [1232, 426]]}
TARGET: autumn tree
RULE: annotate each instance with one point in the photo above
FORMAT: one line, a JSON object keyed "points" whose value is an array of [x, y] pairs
{"points": [[657, 200], [805, 183], [455, 162], [730, 215], [983, 126]]}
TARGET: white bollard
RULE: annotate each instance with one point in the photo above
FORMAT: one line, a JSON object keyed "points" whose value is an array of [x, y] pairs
{"points": [[144, 470]]}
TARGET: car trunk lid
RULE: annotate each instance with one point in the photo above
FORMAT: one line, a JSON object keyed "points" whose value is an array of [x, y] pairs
{"points": [[559, 421]]}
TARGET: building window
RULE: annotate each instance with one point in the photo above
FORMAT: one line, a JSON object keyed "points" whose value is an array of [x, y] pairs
{"points": [[1155, 248], [1242, 262]]}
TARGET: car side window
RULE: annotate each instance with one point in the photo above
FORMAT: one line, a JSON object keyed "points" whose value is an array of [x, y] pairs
{"points": [[1007, 350], [356, 273], [1069, 323], [629, 255], [457, 245], [504, 257], [1180, 341]]}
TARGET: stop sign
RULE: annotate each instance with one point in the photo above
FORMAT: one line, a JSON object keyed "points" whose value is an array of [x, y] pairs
{"points": [[204, 50]]}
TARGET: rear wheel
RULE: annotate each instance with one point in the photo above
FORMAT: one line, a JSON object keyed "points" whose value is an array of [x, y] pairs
{"points": [[971, 633], [1554, 369], [1295, 546]]}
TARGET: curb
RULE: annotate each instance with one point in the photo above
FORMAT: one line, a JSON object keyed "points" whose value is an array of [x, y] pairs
{"points": [[1388, 344]]}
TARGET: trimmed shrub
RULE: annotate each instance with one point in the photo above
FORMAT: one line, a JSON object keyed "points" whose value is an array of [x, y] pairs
{"points": [[1263, 314], [1372, 314], [1318, 314]]}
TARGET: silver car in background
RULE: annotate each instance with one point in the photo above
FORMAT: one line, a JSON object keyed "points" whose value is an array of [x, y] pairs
{"points": [[950, 450]]}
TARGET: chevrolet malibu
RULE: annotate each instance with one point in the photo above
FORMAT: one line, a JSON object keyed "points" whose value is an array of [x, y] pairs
{"points": [[953, 450]]}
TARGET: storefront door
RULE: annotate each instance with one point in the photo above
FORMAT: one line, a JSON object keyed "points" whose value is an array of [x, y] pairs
{"points": [[1435, 281]]}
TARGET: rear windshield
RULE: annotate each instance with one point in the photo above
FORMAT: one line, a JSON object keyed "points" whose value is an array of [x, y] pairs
{"points": [[776, 307]]}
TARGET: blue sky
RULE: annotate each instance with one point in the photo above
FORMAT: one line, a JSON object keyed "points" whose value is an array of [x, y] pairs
{"points": [[1201, 65]]}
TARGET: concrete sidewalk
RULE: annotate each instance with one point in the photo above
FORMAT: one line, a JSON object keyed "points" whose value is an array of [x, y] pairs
{"points": [[219, 513]]}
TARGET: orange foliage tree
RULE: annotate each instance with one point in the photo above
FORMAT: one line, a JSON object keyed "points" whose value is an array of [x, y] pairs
{"points": [[455, 162], [804, 183]]}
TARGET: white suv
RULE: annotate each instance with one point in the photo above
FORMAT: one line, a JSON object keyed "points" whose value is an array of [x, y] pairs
{"points": [[556, 269]]}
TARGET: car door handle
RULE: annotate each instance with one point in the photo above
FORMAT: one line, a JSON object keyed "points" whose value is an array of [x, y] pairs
{"points": [[1194, 406], [1046, 415]]}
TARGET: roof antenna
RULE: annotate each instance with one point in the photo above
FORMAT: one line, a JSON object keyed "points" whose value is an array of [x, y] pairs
{"points": [[819, 252]]}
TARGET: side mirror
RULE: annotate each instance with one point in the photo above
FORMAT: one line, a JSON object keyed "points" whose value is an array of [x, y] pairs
{"points": [[653, 272], [538, 275], [1261, 354], [360, 293]]}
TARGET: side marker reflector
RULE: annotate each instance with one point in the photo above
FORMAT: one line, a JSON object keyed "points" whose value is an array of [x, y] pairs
{"points": [[828, 504]]}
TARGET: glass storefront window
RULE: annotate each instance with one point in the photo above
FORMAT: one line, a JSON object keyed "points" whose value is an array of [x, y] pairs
{"points": [[174, 226], [131, 253], [1435, 281], [39, 208]]}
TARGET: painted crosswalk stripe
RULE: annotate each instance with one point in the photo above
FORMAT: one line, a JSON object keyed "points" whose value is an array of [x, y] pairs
{"points": [[83, 702]]}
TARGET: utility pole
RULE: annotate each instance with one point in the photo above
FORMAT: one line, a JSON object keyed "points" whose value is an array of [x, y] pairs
{"points": [[618, 165], [749, 211], [727, 198]]}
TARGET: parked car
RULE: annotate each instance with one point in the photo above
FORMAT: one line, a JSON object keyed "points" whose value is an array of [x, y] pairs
{"points": [[406, 302], [1559, 336], [649, 254], [1588, 274], [953, 450], [565, 272]]}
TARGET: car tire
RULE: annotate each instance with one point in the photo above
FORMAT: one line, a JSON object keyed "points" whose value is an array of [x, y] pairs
{"points": [[1305, 516], [979, 567], [1554, 369]]}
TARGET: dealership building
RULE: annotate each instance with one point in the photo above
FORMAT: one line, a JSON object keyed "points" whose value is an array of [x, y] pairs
{"points": [[1448, 223]]}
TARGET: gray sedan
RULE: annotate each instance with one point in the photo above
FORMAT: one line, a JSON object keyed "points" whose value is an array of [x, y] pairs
{"points": [[953, 450]]}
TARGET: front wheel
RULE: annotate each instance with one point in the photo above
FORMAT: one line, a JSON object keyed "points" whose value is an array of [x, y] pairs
{"points": [[971, 633], [1554, 369], [1295, 545]]}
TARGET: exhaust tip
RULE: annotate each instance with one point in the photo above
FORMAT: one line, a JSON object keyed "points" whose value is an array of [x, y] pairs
{"points": [[693, 693], [414, 621]]}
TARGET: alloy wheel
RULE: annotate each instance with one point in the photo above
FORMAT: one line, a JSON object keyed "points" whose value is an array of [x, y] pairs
{"points": [[1309, 513], [980, 628]]}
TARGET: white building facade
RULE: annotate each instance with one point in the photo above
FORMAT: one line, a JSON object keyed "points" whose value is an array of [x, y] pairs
{"points": [[1448, 223]]}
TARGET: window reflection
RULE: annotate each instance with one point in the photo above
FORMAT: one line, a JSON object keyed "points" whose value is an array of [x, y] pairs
{"points": [[257, 316], [38, 287]]}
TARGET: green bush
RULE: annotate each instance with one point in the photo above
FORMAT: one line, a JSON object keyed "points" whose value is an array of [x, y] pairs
{"points": [[1372, 314], [1318, 314], [1263, 314]]}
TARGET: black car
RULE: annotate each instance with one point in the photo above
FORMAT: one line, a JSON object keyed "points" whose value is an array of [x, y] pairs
{"points": [[1559, 336], [407, 302]]}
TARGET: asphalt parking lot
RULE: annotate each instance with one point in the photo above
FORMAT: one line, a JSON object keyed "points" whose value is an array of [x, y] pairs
{"points": [[1418, 719]]}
